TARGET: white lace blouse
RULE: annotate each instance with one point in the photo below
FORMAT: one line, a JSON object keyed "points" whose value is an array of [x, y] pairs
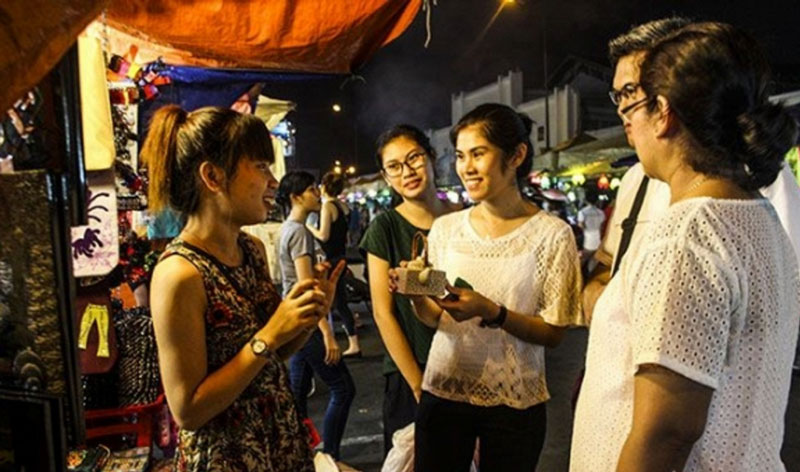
{"points": [[534, 270], [712, 293]]}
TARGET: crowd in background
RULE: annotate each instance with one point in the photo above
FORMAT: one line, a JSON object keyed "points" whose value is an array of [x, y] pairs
{"points": [[691, 290]]}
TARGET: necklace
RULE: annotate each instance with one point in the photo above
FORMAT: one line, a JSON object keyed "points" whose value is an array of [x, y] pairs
{"points": [[693, 187], [496, 226]]}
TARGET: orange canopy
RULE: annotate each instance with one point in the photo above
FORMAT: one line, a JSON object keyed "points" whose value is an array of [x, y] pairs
{"points": [[34, 36], [290, 35], [333, 36]]}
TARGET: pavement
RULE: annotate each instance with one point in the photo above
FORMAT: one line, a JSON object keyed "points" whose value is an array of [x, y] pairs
{"points": [[362, 446]]}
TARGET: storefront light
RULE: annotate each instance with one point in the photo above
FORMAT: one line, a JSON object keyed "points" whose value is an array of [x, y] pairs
{"points": [[602, 182]]}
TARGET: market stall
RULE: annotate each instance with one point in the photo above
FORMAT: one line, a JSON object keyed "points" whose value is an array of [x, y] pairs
{"points": [[95, 357]]}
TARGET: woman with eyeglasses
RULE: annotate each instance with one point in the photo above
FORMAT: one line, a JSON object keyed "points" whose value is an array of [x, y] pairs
{"points": [[690, 368], [485, 377], [406, 158]]}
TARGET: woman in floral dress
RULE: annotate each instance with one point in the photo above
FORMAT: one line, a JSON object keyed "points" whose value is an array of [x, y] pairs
{"points": [[221, 328]]}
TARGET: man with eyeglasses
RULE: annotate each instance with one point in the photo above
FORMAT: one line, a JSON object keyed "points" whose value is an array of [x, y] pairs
{"points": [[641, 200]]}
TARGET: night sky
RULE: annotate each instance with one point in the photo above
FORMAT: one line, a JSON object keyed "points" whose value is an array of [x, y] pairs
{"points": [[404, 82]]}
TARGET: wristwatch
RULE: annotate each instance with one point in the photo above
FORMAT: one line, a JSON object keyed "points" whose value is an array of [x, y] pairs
{"points": [[259, 347], [498, 321]]}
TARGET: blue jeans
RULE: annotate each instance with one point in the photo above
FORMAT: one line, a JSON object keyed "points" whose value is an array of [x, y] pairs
{"points": [[302, 366]]}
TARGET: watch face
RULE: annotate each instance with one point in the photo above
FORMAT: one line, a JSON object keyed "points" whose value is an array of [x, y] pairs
{"points": [[259, 346]]}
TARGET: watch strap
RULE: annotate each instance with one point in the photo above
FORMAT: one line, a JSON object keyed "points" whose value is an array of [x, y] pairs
{"points": [[498, 321]]}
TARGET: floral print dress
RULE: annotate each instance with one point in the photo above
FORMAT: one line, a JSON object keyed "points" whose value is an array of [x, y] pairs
{"points": [[261, 431]]}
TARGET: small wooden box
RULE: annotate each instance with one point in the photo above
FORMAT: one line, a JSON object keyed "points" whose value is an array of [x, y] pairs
{"points": [[408, 282]]}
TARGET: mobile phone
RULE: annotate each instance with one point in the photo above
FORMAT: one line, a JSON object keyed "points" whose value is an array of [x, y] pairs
{"points": [[460, 283]]}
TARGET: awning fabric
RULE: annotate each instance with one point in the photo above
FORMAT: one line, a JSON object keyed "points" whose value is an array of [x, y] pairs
{"points": [[318, 36], [34, 36], [607, 149], [289, 35]]}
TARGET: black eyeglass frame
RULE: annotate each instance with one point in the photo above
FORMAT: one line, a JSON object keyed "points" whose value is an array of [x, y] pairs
{"points": [[628, 108], [422, 161], [627, 90]]}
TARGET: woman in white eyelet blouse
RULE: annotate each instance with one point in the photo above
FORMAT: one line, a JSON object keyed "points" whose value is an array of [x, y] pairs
{"points": [[690, 351], [485, 376]]}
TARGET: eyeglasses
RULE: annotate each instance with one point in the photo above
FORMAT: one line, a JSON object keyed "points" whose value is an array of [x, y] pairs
{"points": [[626, 110], [414, 162], [627, 91]]}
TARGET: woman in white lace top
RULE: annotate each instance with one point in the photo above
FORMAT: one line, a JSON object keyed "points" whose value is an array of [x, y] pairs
{"points": [[690, 352], [485, 374]]}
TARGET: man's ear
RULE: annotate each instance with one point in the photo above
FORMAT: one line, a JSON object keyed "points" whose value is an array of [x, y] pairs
{"points": [[212, 176]]}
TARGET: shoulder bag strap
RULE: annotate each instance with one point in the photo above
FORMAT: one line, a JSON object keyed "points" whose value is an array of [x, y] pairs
{"points": [[629, 223]]}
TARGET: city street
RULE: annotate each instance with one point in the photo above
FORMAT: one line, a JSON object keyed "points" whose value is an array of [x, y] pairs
{"points": [[362, 446]]}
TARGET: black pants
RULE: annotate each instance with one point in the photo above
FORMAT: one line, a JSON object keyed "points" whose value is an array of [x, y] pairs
{"points": [[340, 306], [399, 407], [445, 433]]}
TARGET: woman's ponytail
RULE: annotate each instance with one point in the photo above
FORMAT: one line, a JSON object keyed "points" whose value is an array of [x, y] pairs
{"points": [[159, 154]]}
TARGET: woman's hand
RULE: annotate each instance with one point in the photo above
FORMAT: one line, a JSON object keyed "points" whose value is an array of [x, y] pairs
{"points": [[299, 311], [417, 299], [326, 282], [425, 307], [464, 304], [393, 276], [333, 353]]}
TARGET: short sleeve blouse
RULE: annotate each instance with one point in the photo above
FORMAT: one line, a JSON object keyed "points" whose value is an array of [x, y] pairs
{"points": [[535, 271], [712, 293]]}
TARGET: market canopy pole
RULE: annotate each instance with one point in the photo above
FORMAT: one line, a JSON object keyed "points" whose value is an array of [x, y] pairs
{"points": [[34, 37]]}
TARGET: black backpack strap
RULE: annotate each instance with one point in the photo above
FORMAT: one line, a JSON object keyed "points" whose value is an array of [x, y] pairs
{"points": [[629, 223]]}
